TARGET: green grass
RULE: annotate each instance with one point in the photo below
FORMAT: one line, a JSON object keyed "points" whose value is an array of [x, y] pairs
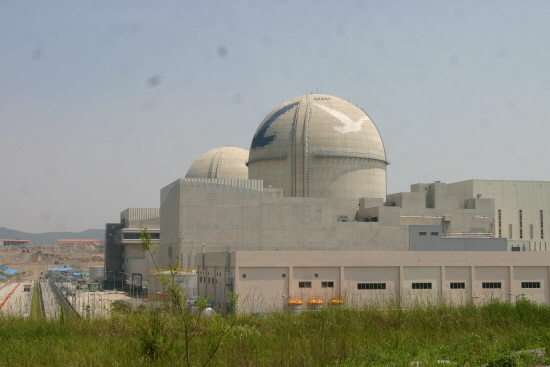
{"points": [[497, 334], [35, 302]]}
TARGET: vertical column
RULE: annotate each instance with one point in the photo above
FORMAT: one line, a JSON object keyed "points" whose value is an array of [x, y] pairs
{"points": [[510, 280], [290, 281], [342, 281], [236, 278], [442, 285], [471, 285], [401, 284]]}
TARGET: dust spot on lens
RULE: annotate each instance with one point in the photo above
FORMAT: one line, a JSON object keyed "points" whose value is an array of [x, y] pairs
{"points": [[154, 81], [222, 51]]}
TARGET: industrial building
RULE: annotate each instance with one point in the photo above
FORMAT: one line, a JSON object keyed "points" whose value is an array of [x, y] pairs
{"points": [[125, 261], [312, 189], [7, 242]]}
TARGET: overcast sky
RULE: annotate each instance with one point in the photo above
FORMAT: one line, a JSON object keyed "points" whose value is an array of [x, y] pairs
{"points": [[103, 103]]}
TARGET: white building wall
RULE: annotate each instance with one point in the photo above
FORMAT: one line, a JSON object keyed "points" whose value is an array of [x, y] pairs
{"points": [[263, 287], [531, 197]]}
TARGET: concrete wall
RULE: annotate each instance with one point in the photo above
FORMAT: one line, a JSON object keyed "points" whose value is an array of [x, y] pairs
{"points": [[264, 280], [531, 197], [430, 238], [242, 215], [221, 216]]}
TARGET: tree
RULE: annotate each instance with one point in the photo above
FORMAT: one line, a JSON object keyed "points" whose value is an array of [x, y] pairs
{"points": [[156, 339]]}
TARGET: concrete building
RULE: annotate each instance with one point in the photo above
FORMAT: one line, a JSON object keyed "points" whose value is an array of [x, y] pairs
{"points": [[305, 213], [126, 264], [266, 280], [520, 209], [244, 215], [317, 181], [6, 242]]}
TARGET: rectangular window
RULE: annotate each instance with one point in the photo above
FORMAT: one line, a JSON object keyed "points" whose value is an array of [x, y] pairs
{"points": [[520, 223], [422, 286], [530, 284], [509, 231], [530, 231], [244, 276], [491, 285], [304, 284], [284, 275], [458, 285], [327, 284], [500, 223], [516, 248], [422, 233], [363, 286], [541, 226], [435, 233], [316, 275]]}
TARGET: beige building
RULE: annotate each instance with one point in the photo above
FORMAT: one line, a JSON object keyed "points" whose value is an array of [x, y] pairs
{"points": [[126, 264], [305, 214], [244, 215], [521, 209], [265, 280]]}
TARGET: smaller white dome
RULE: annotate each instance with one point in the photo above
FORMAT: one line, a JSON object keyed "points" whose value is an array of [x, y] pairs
{"points": [[224, 162]]}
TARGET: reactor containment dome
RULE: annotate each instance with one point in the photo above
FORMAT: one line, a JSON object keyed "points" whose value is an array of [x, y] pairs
{"points": [[225, 162], [320, 146]]}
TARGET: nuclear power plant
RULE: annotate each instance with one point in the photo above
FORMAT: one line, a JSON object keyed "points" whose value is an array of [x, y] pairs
{"points": [[305, 213]]}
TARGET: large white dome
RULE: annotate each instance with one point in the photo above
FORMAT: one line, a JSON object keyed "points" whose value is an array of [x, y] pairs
{"points": [[319, 146], [225, 162]]}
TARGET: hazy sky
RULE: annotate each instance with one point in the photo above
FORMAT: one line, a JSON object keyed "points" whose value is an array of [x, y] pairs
{"points": [[103, 103]]}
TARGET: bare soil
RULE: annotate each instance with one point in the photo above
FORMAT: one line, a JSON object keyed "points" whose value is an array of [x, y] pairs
{"points": [[30, 260]]}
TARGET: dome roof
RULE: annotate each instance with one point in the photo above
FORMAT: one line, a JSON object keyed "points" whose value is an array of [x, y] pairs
{"points": [[320, 146], [224, 162]]}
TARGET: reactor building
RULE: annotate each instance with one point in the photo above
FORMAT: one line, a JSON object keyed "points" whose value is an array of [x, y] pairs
{"points": [[314, 179], [305, 212]]}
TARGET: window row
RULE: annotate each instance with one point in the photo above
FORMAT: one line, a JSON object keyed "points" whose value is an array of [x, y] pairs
{"points": [[308, 284], [209, 280], [371, 286], [453, 285], [137, 236]]}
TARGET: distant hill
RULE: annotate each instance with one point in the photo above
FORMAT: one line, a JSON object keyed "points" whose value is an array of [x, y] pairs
{"points": [[51, 237]]}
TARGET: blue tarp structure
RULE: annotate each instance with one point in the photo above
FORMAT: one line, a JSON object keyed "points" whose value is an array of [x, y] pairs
{"points": [[4, 269], [63, 268], [1, 277]]}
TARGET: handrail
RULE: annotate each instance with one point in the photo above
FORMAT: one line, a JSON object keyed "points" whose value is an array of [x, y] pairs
{"points": [[40, 292], [63, 301]]}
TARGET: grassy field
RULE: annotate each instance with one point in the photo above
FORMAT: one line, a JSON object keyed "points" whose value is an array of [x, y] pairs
{"points": [[497, 334]]}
